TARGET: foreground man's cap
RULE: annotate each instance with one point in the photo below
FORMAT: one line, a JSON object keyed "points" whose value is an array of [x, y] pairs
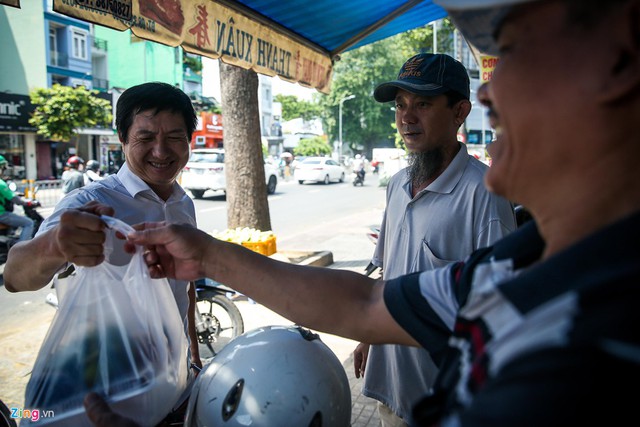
{"points": [[479, 20]]}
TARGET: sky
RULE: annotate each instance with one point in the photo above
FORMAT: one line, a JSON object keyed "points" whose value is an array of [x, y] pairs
{"points": [[211, 83]]}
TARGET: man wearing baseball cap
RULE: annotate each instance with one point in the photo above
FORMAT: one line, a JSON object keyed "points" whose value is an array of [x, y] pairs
{"points": [[440, 194], [540, 329]]}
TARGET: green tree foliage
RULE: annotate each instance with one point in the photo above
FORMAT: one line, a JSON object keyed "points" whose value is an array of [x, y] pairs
{"points": [[61, 110], [312, 147], [420, 40], [293, 108], [194, 62], [365, 123]]}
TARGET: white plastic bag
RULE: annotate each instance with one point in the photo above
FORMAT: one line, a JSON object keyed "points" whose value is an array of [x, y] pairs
{"points": [[117, 332]]}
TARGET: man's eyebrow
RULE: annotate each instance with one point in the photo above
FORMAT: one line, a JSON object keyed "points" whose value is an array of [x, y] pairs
{"points": [[151, 132]]}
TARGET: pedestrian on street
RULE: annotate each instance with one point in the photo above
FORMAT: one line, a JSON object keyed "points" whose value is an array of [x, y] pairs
{"points": [[439, 195], [92, 173], [73, 176], [155, 122]]}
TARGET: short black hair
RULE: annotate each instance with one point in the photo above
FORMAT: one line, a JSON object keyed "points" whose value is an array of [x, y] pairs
{"points": [[155, 96]]}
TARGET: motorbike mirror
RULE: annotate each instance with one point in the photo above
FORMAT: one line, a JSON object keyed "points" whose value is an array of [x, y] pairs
{"points": [[13, 186]]}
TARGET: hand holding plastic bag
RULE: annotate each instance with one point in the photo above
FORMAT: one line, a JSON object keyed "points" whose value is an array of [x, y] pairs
{"points": [[117, 332]]}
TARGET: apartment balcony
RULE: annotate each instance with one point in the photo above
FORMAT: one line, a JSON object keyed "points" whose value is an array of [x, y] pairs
{"points": [[99, 44], [59, 59], [100, 84]]}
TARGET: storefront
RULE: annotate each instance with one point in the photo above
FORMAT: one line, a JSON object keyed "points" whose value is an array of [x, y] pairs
{"points": [[208, 133], [111, 155], [17, 136], [29, 156], [32, 157]]}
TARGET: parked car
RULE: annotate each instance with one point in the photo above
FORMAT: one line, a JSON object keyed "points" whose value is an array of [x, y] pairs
{"points": [[205, 171], [319, 169]]}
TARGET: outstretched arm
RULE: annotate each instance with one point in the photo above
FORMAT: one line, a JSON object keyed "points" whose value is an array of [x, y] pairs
{"points": [[327, 300], [78, 238]]}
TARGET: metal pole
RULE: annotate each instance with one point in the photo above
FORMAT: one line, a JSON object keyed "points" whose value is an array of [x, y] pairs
{"points": [[340, 130], [435, 38]]}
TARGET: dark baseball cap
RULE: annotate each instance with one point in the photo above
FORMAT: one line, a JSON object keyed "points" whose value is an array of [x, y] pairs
{"points": [[427, 74], [479, 21]]}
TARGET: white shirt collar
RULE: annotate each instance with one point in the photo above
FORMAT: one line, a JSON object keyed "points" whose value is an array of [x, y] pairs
{"points": [[135, 185]]}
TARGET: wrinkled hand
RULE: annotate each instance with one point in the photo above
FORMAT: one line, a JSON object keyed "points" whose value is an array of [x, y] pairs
{"points": [[101, 415], [360, 355], [80, 234], [175, 251]]}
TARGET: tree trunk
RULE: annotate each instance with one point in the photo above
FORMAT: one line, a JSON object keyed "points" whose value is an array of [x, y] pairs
{"points": [[247, 204]]}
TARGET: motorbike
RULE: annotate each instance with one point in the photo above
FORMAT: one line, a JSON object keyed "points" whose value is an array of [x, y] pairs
{"points": [[218, 319], [5, 416], [358, 178], [9, 235]]}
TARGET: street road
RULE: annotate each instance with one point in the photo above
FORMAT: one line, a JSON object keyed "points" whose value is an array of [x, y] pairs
{"points": [[310, 217], [295, 208]]}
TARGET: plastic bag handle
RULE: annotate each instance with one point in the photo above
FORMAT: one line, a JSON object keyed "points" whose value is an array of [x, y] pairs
{"points": [[117, 225]]}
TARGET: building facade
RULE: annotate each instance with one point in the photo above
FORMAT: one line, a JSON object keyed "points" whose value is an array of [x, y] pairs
{"points": [[41, 48]]}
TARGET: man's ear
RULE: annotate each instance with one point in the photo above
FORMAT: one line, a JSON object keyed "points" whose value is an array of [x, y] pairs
{"points": [[121, 138], [462, 110], [624, 67]]}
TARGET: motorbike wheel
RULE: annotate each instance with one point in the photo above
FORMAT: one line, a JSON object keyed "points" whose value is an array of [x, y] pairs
{"points": [[5, 416], [223, 322]]}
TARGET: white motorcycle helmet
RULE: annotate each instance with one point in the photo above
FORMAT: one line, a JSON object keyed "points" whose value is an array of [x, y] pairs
{"points": [[274, 376]]}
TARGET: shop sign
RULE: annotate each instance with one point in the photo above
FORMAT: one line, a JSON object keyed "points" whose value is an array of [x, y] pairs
{"points": [[211, 29], [109, 139], [15, 112]]}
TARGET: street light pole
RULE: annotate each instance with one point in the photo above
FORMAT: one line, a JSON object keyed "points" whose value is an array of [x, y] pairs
{"points": [[340, 124]]}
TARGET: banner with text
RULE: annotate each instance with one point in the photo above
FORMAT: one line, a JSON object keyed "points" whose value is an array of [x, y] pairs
{"points": [[487, 65], [210, 29]]}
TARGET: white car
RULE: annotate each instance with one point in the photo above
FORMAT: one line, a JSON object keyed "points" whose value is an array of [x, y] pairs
{"points": [[319, 169], [205, 171]]}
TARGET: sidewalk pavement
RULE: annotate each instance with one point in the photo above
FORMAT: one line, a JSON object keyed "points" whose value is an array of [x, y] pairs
{"points": [[350, 249]]}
